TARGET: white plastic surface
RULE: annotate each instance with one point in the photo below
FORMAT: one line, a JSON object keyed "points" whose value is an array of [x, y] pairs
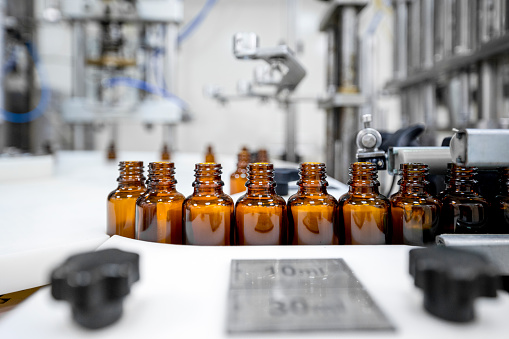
{"points": [[183, 293]]}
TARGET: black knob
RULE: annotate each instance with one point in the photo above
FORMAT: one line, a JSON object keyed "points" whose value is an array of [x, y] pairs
{"points": [[283, 176], [451, 279], [95, 284]]}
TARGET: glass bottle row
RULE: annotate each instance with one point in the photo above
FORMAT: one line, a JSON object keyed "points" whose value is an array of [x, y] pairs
{"points": [[311, 216]]}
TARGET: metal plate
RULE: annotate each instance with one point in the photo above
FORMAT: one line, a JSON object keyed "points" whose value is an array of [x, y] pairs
{"points": [[299, 295]]}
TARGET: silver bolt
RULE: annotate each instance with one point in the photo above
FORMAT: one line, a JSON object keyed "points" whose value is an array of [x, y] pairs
{"points": [[368, 140]]}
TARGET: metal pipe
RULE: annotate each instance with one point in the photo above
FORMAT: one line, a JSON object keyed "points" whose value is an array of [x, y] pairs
{"points": [[439, 30], [487, 105], [414, 54], [348, 54], [400, 53], [291, 129], [462, 23], [427, 11], [78, 60], [429, 112], [473, 24]]}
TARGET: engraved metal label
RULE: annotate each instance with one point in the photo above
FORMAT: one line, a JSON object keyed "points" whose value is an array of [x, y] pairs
{"points": [[299, 295]]}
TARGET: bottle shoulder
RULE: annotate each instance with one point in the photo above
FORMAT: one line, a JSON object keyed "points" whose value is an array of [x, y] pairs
{"points": [[267, 200], [208, 199], [154, 195], [423, 200], [365, 199], [126, 193], [315, 199], [460, 198]]}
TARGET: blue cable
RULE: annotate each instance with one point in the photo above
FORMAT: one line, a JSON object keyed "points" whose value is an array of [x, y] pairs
{"points": [[140, 84], [196, 21], [44, 100]]}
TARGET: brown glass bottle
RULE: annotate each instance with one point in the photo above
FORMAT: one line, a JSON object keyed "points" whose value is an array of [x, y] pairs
{"points": [[262, 155], [312, 211], [239, 177], [260, 214], [111, 152], [364, 212], [121, 206], [209, 155], [165, 153], [415, 213], [208, 212], [464, 210], [501, 204], [159, 208]]}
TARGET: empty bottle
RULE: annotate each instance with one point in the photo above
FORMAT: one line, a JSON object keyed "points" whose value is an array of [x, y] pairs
{"points": [[501, 204], [209, 155], [262, 155], [239, 177], [121, 206], [165, 153], [415, 213], [364, 212], [464, 209], [208, 212], [159, 208], [260, 214], [312, 211], [111, 152]]}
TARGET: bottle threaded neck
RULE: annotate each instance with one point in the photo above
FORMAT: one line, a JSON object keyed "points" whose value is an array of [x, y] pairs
{"points": [[244, 158], [130, 171], [363, 174], [312, 175], [161, 173], [208, 174], [462, 178], [413, 175], [260, 175]]}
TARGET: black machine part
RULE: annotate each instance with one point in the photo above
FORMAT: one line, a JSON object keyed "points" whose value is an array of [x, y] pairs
{"points": [[452, 279], [95, 284], [283, 176]]}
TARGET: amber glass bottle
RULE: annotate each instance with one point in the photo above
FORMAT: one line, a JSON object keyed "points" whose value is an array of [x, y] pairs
{"points": [[501, 203], [464, 209], [239, 177], [415, 213], [262, 155], [165, 153], [121, 207], [312, 211], [260, 214], [208, 212], [111, 152], [364, 212], [159, 208], [209, 155]]}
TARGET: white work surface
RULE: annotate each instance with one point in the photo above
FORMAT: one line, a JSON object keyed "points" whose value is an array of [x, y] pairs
{"points": [[183, 294], [46, 218]]}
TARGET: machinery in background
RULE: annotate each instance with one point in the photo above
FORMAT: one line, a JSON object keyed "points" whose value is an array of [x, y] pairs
{"points": [[124, 66]]}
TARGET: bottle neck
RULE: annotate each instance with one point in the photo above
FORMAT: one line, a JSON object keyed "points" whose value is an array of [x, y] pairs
{"points": [[130, 174], [312, 178], [413, 179], [462, 180], [208, 179], [161, 175], [244, 158], [363, 178], [260, 179]]}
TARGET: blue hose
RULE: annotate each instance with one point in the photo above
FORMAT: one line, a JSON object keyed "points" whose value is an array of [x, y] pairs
{"points": [[44, 100], [140, 84], [196, 21]]}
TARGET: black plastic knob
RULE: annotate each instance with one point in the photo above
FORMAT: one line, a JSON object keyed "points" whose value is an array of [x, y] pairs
{"points": [[451, 280], [95, 284], [283, 176]]}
